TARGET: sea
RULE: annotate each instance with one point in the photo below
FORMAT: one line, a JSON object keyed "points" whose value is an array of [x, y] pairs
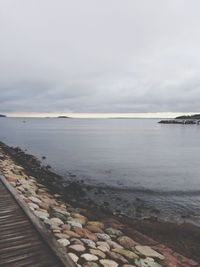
{"points": [[138, 167]]}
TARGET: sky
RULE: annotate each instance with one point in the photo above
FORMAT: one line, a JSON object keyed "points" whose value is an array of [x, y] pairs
{"points": [[99, 57]]}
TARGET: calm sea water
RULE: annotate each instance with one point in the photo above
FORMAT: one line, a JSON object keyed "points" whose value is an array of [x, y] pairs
{"points": [[153, 168]]}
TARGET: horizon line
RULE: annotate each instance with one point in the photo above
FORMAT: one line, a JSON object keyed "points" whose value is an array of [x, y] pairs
{"points": [[96, 115]]}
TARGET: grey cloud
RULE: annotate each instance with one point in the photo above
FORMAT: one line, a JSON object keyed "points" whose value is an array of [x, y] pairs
{"points": [[99, 56]]}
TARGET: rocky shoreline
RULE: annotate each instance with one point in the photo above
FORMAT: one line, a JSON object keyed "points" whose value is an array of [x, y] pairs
{"points": [[91, 235]]}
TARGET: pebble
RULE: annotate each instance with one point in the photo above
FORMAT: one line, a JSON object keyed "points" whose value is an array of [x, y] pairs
{"points": [[113, 244], [96, 223], [126, 253], [42, 215], [89, 257], [116, 256], [89, 242], [71, 233], [56, 221], [35, 200], [149, 252], [90, 264], [77, 248], [109, 263], [73, 257], [127, 242], [113, 232], [103, 236], [74, 224], [148, 262], [98, 253], [64, 242]]}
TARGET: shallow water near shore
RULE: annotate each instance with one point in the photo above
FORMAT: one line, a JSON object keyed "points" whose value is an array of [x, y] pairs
{"points": [[137, 166]]}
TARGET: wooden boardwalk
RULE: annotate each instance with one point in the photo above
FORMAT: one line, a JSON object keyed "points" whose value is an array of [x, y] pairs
{"points": [[23, 239]]}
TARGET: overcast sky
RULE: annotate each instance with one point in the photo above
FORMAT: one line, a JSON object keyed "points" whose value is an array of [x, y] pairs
{"points": [[99, 56]]}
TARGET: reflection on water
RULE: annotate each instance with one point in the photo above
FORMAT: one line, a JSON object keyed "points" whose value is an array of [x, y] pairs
{"points": [[157, 164]]}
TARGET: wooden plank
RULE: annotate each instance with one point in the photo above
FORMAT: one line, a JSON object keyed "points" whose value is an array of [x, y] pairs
{"points": [[13, 241]]}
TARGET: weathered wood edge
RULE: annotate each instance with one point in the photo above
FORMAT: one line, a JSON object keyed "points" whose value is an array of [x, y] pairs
{"points": [[59, 252]]}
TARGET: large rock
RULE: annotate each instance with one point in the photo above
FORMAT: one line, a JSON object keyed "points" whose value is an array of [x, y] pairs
{"points": [[149, 252]]}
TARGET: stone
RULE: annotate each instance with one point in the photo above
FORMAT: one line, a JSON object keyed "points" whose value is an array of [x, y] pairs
{"points": [[74, 224], [94, 229], [105, 244], [33, 206], [103, 248], [77, 248], [56, 221], [76, 241], [96, 223], [71, 233], [60, 216], [42, 215], [126, 253], [73, 257], [127, 242], [148, 262], [98, 253], [113, 232], [85, 233], [103, 236], [149, 252], [60, 210], [113, 244], [35, 200], [128, 265], [89, 242], [90, 264], [89, 257], [109, 263], [64, 242], [61, 236], [116, 256], [44, 206], [66, 227], [79, 218]]}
